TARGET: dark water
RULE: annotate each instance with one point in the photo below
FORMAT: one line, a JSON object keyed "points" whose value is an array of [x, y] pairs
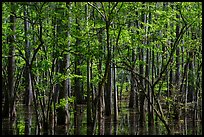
{"points": [[128, 124]]}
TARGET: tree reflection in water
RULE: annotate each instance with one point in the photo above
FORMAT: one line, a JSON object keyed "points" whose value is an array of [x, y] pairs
{"points": [[127, 124]]}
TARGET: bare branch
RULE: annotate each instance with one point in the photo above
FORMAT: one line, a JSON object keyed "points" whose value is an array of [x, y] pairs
{"points": [[104, 10], [97, 10], [118, 36], [113, 7], [22, 56], [119, 8]]}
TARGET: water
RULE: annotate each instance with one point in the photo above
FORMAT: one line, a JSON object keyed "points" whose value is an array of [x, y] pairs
{"points": [[128, 124]]}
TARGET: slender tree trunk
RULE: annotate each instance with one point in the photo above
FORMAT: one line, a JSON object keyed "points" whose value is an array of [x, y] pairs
{"points": [[133, 126], [191, 88], [69, 45], [108, 126], [132, 102], [115, 93], [55, 87], [9, 108], [28, 120], [78, 120], [177, 82], [77, 62], [108, 94], [171, 80], [147, 75], [101, 102], [28, 90], [185, 92], [133, 98], [89, 114], [63, 112], [141, 70], [67, 89]]}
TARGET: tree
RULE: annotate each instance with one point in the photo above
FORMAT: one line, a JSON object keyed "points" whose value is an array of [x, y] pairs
{"points": [[62, 57], [9, 107]]}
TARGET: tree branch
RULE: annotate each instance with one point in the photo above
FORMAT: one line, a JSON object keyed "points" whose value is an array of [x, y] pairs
{"points": [[104, 11], [113, 7], [97, 10], [183, 30]]}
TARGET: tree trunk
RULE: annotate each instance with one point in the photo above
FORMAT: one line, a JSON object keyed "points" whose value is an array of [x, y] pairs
{"points": [[115, 93], [132, 102], [177, 82], [147, 75], [141, 70], [108, 94], [9, 108], [77, 63], [28, 90], [63, 112], [28, 120], [100, 99], [89, 114]]}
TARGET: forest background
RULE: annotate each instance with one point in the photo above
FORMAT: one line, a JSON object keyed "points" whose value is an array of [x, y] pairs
{"points": [[146, 56]]}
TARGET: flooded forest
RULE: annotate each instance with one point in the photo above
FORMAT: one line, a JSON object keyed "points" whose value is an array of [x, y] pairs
{"points": [[101, 68]]}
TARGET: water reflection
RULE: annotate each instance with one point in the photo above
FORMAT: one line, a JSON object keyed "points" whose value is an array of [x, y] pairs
{"points": [[127, 124], [78, 120], [28, 120], [115, 132], [134, 118], [7, 127], [108, 125]]}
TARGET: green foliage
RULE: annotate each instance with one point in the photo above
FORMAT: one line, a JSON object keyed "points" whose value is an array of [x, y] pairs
{"points": [[72, 76], [71, 99], [150, 27], [21, 127], [59, 77], [44, 65], [63, 102]]}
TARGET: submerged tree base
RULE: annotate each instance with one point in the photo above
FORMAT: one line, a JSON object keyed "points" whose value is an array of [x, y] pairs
{"points": [[127, 124]]}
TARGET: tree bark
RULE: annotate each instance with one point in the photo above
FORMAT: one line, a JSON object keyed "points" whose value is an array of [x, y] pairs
{"points": [[177, 82], [132, 100], [63, 112], [77, 63], [115, 93], [9, 108], [89, 114], [141, 70], [28, 88]]}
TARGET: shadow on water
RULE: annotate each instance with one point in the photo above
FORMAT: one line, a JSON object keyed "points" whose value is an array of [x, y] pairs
{"points": [[127, 124]]}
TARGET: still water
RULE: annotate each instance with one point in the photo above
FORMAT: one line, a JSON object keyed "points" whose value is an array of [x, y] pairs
{"points": [[128, 124]]}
